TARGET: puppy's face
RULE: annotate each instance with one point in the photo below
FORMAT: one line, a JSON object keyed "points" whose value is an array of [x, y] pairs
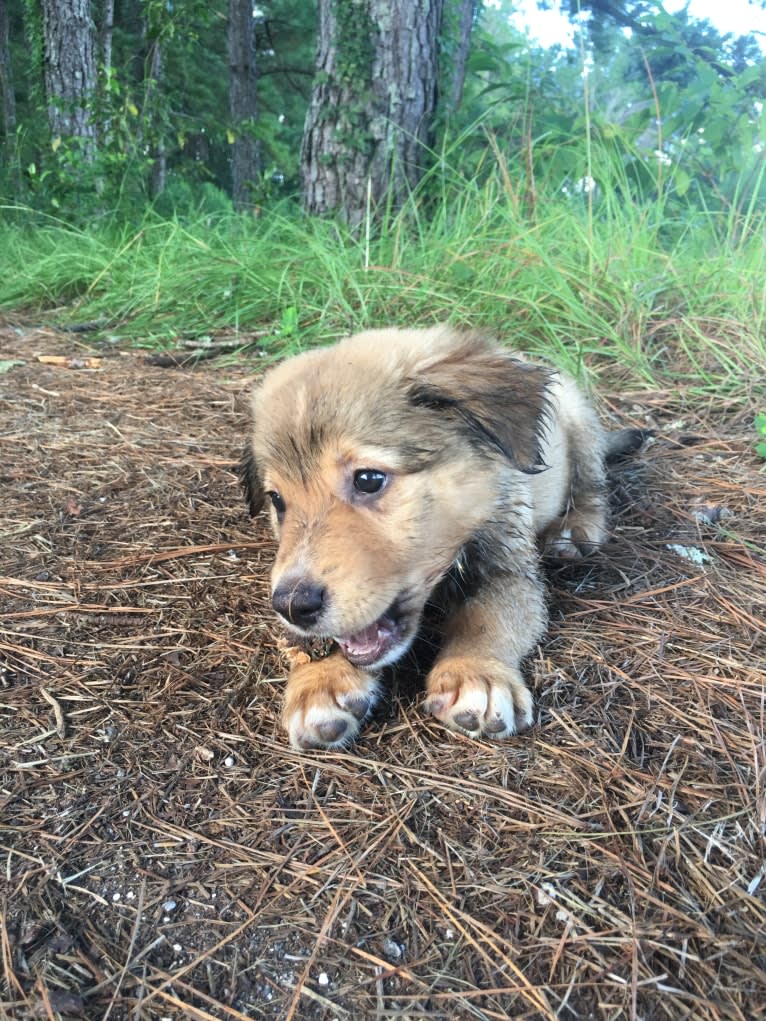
{"points": [[379, 458]]}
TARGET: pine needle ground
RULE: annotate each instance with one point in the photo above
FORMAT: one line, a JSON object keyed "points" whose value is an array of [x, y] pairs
{"points": [[166, 855]]}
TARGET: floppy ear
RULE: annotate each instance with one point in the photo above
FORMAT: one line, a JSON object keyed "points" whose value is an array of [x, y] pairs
{"points": [[500, 401], [250, 481]]}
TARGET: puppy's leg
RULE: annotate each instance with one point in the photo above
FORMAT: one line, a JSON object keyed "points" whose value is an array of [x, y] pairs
{"points": [[582, 527], [476, 684], [326, 702]]}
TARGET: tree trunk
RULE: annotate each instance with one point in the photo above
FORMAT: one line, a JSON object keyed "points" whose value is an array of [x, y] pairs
{"points": [[6, 76], [369, 122], [243, 96], [466, 14], [106, 33], [70, 71], [152, 99]]}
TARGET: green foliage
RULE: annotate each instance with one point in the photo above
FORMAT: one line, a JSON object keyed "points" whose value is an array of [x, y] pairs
{"points": [[183, 114], [78, 188], [760, 428], [288, 324], [710, 91], [661, 298], [674, 110], [612, 220], [285, 40], [671, 114]]}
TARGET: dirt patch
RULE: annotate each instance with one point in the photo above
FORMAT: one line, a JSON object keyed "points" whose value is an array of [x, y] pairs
{"points": [[166, 855]]}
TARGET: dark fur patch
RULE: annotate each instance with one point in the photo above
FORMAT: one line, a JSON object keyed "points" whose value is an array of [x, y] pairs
{"points": [[501, 402], [485, 556], [625, 442], [297, 452], [250, 480]]}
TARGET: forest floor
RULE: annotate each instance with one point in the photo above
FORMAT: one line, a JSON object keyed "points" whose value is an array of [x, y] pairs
{"points": [[165, 854]]}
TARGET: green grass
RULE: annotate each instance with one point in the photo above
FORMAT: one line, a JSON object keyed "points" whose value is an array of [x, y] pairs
{"points": [[648, 290]]}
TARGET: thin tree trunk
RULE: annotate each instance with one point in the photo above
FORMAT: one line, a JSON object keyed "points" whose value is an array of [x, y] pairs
{"points": [[70, 71], [243, 97], [151, 105], [369, 121], [6, 76], [106, 33]]}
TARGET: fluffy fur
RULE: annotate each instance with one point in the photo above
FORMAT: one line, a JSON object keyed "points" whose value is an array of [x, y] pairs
{"points": [[406, 468]]}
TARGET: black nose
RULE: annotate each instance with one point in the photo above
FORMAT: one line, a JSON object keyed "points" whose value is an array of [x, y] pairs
{"points": [[300, 603]]}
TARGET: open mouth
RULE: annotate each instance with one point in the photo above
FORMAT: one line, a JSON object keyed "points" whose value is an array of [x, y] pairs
{"points": [[379, 644]]}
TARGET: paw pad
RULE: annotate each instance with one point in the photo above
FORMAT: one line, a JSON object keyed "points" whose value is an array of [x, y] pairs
{"points": [[356, 704], [469, 720], [332, 730], [495, 725]]}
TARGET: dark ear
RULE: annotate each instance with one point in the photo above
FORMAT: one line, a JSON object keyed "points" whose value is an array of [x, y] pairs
{"points": [[250, 481], [500, 401]]}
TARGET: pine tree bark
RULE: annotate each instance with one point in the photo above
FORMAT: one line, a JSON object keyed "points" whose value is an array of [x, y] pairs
{"points": [[6, 76], [467, 12], [70, 71], [369, 121], [243, 98]]}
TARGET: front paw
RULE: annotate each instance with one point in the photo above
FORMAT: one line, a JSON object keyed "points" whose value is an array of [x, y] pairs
{"points": [[326, 702], [479, 697]]}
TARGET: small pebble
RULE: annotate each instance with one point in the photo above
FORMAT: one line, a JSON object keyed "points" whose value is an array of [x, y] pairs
{"points": [[323, 978], [169, 905], [229, 761], [711, 515], [115, 897], [392, 949]]}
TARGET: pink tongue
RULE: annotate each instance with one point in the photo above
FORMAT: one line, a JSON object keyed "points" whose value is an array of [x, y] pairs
{"points": [[367, 641]]}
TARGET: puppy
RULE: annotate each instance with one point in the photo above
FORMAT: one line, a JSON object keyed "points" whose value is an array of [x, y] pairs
{"points": [[407, 469]]}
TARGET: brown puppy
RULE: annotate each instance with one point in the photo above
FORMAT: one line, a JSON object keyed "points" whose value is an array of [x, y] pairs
{"points": [[414, 467]]}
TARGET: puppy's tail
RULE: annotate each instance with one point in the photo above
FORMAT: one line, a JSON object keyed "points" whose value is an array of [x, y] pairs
{"points": [[625, 442]]}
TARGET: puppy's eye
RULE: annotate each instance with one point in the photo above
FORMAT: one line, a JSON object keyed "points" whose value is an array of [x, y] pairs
{"points": [[278, 502], [367, 480]]}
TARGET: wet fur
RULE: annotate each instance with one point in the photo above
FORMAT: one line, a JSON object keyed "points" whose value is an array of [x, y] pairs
{"points": [[488, 458]]}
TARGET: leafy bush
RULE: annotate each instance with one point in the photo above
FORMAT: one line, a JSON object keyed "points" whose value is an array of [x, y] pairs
{"points": [[674, 110]]}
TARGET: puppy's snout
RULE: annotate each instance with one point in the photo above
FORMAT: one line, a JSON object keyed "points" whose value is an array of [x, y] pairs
{"points": [[300, 602]]}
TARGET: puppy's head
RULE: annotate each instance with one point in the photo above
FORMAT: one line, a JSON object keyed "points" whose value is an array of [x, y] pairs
{"points": [[379, 458]]}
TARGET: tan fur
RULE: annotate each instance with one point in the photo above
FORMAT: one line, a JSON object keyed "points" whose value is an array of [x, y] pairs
{"points": [[482, 453]]}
